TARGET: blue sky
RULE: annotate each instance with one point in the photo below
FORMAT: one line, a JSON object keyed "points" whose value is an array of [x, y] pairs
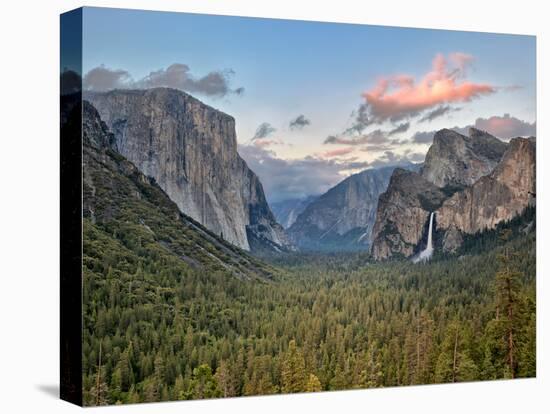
{"points": [[322, 71]]}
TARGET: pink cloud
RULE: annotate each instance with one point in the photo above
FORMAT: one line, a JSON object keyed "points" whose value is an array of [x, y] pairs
{"points": [[401, 96], [506, 126], [265, 143], [337, 152]]}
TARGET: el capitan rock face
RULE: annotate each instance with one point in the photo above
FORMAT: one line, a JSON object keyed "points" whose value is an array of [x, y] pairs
{"points": [[190, 149], [119, 203], [472, 183]]}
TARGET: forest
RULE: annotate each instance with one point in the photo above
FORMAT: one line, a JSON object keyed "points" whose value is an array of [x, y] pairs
{"points": [[158, 329]]}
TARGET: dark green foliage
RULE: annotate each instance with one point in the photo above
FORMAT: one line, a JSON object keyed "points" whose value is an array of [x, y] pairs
{"points": [[182, 333], [179, 314]]}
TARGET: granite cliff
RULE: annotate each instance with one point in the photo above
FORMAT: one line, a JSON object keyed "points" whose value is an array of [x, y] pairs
{"points": [[343, 217], [190, 149], [402, 214], [498, 196], [125, 210], [471, 183]]}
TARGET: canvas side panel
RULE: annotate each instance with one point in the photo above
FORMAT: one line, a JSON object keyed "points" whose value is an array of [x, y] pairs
{"points": [[71, 206]]}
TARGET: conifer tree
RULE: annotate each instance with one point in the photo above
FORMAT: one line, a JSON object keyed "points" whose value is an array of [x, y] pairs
{"points": [[293, 370], [313, 384]]}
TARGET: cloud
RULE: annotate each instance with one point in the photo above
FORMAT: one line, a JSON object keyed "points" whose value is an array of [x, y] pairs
{"points": [[377, 136], [285, 179], [423, 137], [404, 127], [101, 79], [266, 143], [438, 112], [399, 97], [264, 130], [360, 120], [337, 152], [391, 158], [299, 122], [506, 126], [293, 178], [177, 76]]}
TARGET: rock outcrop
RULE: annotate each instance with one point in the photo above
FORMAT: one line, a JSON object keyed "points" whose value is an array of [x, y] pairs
{"points": [[343, 217], [471, 183], [498, 196], [121, 205], [287, 211], [457, 160], [402, 214], [190, 149]]}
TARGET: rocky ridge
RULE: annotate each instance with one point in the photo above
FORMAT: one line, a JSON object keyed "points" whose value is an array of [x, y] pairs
{"points": [[344, 216]]}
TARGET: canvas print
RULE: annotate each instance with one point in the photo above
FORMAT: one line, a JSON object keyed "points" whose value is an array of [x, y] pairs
{"points": [[275, 206]]}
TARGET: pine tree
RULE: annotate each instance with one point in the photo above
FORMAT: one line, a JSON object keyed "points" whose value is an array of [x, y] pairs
{"points": [[293, 370], [100, 391], [508, 287], [313, 384], [225, 380], [203, 384], [454, 363]]}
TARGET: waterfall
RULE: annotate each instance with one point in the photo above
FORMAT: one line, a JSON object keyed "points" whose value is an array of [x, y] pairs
{"points": [[426, 254]]}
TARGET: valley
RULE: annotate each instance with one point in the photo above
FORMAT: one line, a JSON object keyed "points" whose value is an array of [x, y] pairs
{"points": [[192, 289]]}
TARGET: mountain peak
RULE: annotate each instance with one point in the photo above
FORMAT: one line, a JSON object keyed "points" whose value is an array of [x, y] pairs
{"points": [[458, 160]]}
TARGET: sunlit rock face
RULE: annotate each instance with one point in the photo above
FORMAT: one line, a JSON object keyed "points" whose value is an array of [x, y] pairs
{"points": [[471, 182], [190, 149], [458, 160], [402, 214], [498, 196], [343, 217]]}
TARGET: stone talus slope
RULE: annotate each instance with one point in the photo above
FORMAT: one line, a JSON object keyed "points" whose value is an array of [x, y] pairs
{"points": [[190, 149]]}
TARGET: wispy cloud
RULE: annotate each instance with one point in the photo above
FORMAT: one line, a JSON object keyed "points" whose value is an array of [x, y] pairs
{"points": [[339, 152], [399, 129], [264, 130], [377, 136], [299, 122], [293, 178], [438, 112]]}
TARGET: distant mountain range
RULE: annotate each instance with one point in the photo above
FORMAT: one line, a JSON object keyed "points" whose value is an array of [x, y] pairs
{"points": [[344, 216], [287, 211], [188, 151]]}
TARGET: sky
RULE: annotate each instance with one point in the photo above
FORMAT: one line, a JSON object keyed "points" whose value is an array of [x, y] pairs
{"points": [[315, 102]]}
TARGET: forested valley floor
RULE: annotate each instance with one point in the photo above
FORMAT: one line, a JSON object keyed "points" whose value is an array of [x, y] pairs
{"points": [[156, 329]]}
